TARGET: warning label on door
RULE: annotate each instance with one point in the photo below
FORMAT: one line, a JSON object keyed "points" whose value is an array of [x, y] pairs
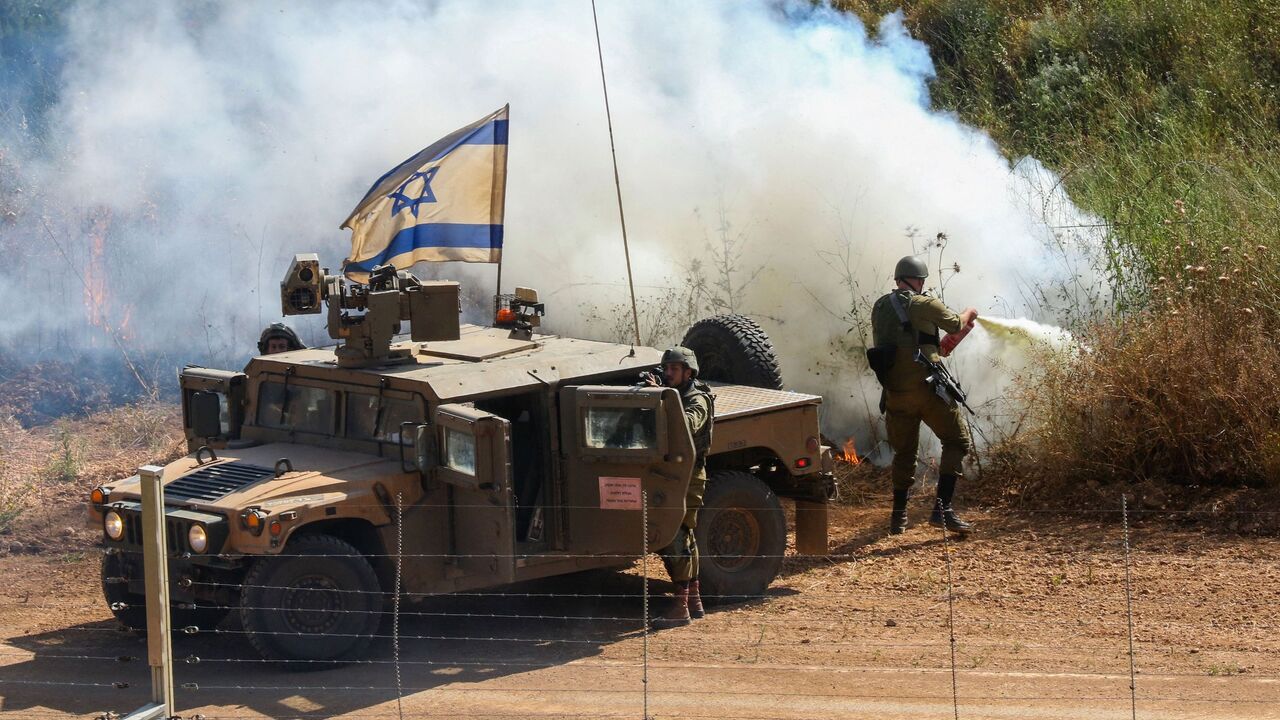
{"points": [[619, 493]]}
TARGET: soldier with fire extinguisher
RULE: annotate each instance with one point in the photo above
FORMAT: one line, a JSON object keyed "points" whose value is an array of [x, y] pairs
{"points": [[906, 358]]}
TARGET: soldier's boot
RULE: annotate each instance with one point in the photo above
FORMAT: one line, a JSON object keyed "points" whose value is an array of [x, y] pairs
{"points": [[898, 517], [695, 600], [943, 514], [678, 613]]}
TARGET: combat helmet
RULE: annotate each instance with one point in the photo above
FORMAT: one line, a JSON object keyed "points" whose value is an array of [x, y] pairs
{"points": [[279, 330], [681, 354], [910, 267]]}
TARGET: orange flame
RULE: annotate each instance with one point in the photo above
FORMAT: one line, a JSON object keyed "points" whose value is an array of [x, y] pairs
{"points": [[97, 297], [850, 453]]}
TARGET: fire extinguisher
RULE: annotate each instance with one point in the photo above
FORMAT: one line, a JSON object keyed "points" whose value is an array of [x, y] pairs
{"points": [[951, 340]]}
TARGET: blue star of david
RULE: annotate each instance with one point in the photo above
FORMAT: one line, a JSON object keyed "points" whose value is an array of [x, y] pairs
{"points": [[402, 200]]}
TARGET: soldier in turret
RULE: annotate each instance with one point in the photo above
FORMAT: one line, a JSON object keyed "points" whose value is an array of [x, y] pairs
{"points": [[680, 371], [278, 338]]}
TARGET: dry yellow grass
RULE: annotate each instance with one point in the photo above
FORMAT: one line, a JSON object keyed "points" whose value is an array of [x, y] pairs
{"points": [[46, 472]]}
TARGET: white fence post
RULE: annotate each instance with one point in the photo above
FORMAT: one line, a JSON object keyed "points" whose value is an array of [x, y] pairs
{"points": [[155, 560]]}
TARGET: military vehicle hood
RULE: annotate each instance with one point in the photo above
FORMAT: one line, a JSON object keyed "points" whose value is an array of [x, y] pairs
{"points": [[260, 475]]}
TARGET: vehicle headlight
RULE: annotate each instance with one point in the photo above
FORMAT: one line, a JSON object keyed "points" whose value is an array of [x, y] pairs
{"points": [[197, 538], [113, 525]]}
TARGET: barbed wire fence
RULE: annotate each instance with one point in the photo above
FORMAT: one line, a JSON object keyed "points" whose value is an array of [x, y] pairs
{"points": [[448, 654]]}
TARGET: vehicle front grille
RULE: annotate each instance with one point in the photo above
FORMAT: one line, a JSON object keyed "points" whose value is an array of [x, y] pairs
{"points": [[211, 482], [175, 532]]}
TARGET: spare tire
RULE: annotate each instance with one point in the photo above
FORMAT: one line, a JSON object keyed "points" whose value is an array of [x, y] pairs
{"points": [[734, 349]]}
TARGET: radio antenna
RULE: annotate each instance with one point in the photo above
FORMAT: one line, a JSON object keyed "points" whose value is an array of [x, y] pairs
{"points": [[617, 183]]}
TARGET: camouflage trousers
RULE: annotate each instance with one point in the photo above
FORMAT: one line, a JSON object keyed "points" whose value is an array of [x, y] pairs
{"points": [[680, 557], [904, 411]]}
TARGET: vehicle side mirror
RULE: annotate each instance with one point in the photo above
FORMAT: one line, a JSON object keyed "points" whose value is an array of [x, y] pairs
{"points": [[206, 414], [424, 447]]}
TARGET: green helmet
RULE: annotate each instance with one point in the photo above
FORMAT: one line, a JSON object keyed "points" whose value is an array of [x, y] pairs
{"points": [[279, 330], [910, 267], [681, 354]]}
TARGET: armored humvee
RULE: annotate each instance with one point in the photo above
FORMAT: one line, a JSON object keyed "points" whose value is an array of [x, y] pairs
{"points": [[476, 456]]}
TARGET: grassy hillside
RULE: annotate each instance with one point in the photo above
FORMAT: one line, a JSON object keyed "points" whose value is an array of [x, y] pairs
{"points": [[1162, 117]]}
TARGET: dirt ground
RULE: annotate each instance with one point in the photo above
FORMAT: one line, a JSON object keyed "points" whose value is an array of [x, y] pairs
{"points": [[1040, 625]]}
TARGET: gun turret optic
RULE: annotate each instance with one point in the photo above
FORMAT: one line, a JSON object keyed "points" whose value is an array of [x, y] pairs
{"points": [[390, 296], [302, 289]]}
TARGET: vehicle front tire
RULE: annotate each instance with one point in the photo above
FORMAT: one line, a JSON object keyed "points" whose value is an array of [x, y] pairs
{"points": [[320, 600], [128, 608], [741, 536], [734, 349]]}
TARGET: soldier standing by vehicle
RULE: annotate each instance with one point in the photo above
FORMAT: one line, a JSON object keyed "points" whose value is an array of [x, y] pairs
{"points": [[278, 338], [904, 322], [680, 371]]}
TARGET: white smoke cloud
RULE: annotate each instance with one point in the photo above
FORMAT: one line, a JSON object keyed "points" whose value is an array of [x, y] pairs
{"points": [[223, 138]]}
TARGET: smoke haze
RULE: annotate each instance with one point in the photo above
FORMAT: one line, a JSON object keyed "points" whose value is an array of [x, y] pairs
{"points": [[193, 149]]}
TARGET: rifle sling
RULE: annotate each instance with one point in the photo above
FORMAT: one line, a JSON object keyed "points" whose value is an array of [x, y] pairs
{"points": [[921, 338]]}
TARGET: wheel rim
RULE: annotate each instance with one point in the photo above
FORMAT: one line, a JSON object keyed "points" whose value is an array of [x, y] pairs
{"points": [[734, 539], [312, 604]]}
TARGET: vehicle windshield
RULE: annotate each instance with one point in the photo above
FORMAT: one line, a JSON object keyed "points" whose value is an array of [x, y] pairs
{"points": [[295, 407], [370, 417]]}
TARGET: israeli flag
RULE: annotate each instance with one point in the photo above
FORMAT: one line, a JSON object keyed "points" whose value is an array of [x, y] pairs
{"points": [[444, 203]]}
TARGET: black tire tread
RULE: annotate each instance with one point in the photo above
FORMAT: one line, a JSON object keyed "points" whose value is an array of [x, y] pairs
{"points": [[747, 338], [319, 545], [134, 615], [773, 542]]}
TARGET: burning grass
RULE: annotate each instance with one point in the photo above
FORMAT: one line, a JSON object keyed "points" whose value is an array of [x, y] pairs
{"points": [[41, 392]]}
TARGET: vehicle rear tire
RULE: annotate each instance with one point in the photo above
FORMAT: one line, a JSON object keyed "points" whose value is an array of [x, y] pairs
{"points": [[128, 608], [741, 536], [734, 349], [319, 601]]}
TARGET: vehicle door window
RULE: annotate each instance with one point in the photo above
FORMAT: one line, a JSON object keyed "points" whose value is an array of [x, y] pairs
{"points": [[295, 407], [625, 428], [460, 451]]}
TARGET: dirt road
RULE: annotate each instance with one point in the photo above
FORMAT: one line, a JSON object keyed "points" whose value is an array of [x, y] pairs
{"points": [[1040, 624]]}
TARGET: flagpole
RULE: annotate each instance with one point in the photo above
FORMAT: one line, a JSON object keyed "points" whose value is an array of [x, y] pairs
{"points": [[498, 291]]}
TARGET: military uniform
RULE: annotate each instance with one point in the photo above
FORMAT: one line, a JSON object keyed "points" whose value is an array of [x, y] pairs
{"points": [[908, 399], [681, 556], [902, 323]]}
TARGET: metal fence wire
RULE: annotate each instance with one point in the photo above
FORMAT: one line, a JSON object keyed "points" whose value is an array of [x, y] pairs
{"points": [[586, 648]]}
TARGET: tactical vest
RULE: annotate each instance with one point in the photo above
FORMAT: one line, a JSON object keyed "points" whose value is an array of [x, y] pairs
{"points": [[701, 438], [896, 340], [891, 323]]}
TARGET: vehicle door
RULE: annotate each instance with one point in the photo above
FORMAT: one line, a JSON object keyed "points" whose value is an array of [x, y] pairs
{"points": [[212, 405], [474, 463], [618, 442]]}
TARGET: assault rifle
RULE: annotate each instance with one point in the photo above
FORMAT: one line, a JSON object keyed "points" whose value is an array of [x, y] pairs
{"points": [[947, 387]]}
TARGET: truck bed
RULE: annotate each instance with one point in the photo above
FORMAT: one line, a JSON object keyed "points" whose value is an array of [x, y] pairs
{"points": [[742, 400]]}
